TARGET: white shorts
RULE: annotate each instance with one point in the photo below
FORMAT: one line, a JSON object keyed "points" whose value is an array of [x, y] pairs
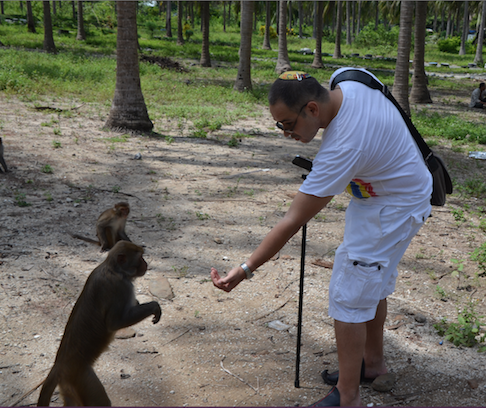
{"points": [[365, 264]]}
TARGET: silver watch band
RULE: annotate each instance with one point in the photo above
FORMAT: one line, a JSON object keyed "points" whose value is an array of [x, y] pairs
{"points": [[247, 270]]}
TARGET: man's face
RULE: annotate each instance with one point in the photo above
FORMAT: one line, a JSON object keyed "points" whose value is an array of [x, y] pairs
{"points": [[295, 125]]}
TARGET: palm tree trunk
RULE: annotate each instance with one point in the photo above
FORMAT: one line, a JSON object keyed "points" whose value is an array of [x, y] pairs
{"points": [[358, 23], [402, 70], [168, 19], [128, 109], [348, 23], [205, 56], [180, 37], [30, 18], [478, 59], [465, 29], [266, 35], [420, 93], [49, 45], [314, 30], [317, 63], [283, 62], [339, 22], [243, 80], [301, 18], [81, 36]]}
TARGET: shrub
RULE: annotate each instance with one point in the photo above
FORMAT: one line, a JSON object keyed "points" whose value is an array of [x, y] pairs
{"points": [[466, 332], [450, 45], [479, 256], [271, 30], [369, 37]]}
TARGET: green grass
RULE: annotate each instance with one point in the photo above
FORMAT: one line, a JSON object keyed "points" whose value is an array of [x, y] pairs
{"points": [[201, 99], [449, 127]]}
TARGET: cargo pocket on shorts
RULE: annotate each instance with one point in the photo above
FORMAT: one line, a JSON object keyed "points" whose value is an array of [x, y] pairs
{"points": [[359, 285]]}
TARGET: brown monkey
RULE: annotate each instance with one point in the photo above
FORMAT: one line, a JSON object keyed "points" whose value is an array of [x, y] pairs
{"points": [[2, 160], [106, 304], [110, 227]]}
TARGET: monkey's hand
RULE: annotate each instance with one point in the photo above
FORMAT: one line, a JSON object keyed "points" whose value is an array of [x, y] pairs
{"points": [[235, 276], [157, 313]]}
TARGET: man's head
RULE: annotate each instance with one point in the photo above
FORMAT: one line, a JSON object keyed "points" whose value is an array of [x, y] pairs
{"points": [[295, 88], [293, 100], [482, 86]]}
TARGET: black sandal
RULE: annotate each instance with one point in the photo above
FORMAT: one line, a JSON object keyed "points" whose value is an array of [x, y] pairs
{"points": [[332, 399], [332, 378]]}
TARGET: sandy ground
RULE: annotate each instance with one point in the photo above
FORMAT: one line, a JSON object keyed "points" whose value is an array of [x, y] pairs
{"points": [[197, 203]]}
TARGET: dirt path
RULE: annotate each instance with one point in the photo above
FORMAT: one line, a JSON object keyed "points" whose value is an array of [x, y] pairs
{"points": [[195, 204]]}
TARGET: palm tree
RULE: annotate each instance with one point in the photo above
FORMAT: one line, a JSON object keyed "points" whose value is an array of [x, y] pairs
{"points": [[465, 29], [168, 19], [339, 24], [301, 18], [205, 57], [30, 18], [81, 36], [243, 80], [317, 63], [348, 23], [400, 85], [128, 109], [180, 38], [478, 59], [283, 62], [49, 45], [420, 93], [266, 35]]}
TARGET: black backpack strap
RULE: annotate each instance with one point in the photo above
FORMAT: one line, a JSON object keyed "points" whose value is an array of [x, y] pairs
{"points": [[367, 79]]}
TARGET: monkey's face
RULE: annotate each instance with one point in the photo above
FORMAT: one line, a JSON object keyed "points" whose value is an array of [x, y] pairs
{"points": [[142, 267], [122, 209]]}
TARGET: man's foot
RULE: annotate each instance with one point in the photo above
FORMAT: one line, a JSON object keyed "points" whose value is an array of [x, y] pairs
{"points": [[332, 378], [332, 399]]}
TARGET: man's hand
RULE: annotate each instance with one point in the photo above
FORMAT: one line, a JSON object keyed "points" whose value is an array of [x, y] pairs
{"points": [[235, 276]]}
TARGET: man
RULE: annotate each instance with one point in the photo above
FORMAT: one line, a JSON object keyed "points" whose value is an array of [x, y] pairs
{"points": [[367, 150], [477, 100]]}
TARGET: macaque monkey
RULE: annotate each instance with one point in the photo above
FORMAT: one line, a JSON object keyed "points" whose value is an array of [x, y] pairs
{"points": [[2, 160], [110, 227], [106, 304]]}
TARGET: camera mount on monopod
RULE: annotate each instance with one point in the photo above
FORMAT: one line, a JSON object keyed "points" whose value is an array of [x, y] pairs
{"points": [[307, 165]]}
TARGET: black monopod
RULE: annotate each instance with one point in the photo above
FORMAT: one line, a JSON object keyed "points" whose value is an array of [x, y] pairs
{"points": [[305, 164]]}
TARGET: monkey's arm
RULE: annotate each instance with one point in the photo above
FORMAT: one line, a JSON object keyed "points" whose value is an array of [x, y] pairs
{"points": [[133, 314], [2, 161], [102, 236], [123, 236]]}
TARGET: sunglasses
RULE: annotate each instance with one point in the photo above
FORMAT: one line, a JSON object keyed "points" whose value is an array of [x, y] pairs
{"points": [[281, 126]]}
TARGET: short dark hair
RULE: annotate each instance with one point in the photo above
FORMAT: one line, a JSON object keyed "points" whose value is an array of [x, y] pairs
{"points": [[481, 84], [294, 93]]}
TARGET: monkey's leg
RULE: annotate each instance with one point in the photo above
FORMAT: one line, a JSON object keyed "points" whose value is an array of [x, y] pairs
{"points": [[91, 391], [2, 161], [122, 236]]}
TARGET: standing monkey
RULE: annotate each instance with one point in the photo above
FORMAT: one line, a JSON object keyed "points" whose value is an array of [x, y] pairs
{"points": [[106, 304], [2, 160], [110, 227]]}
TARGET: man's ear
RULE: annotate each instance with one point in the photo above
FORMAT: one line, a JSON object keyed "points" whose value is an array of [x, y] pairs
{"points": [[313, 108]]}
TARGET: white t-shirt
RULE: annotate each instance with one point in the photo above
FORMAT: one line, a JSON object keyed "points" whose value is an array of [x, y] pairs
{"points": [[475, 97], [368, 150]]}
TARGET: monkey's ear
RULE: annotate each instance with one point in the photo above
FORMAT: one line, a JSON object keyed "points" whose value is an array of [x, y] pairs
{"points": [[121, 259]]}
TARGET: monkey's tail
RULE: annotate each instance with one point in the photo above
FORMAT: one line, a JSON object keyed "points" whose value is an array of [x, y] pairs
{"points": [[47, 389], [85, 239]]}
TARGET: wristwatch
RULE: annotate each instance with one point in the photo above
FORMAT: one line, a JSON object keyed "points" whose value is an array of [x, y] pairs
{"points": [[247, 270]]}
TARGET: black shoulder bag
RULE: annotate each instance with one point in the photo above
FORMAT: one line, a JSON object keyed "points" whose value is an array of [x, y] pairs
{"points": [[442, 183]]}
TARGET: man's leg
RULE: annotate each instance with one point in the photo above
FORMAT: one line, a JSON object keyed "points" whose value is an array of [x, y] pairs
{"points": [[373, 354], [350, 340]]}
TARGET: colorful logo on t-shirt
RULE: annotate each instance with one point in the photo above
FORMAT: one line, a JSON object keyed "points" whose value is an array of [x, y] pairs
{"points": [[359, 189]]}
